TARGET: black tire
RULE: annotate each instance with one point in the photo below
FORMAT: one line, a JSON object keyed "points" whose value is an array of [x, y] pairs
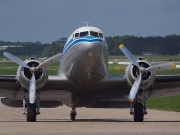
{"points": [[138, 113], [73, 116], [31, 112]]}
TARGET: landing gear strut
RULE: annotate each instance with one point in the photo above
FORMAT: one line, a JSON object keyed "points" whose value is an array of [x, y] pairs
{"points": [[24, 104], [37, 105], [73, 114]]}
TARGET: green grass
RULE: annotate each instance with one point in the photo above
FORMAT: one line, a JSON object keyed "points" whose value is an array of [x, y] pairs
{"points": [[153, 57], [167, 72], [10, 68], [163, 103]]}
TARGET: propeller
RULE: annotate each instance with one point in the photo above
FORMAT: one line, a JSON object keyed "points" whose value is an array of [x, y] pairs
{"points": [[32, 90], [135, 88], [32, 86], [16, 59], [136, 85]]}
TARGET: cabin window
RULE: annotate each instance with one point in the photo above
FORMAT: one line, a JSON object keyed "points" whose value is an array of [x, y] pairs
{"points": [[85, 33], [76, 35], [92, 33], [101, 35]]}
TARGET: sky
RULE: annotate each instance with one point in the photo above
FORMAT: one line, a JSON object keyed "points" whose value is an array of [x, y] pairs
{"points": [[48, 20]]}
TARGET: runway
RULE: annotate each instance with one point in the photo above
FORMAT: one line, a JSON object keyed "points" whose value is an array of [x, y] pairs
{"points": [[56, 121]]}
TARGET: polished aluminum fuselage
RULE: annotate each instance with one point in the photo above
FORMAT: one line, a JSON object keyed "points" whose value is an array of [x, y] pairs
{"points": [[86, 62]]}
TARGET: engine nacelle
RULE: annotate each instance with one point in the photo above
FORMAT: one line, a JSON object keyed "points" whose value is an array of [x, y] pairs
{"points": [[24, 75], [132, 72]]}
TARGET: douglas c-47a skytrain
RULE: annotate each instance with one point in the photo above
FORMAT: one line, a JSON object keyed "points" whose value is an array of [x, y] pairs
{"points": [[82, 79]]}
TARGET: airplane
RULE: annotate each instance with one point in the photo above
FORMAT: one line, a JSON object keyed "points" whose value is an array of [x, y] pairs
{"points": [[82, 79]]}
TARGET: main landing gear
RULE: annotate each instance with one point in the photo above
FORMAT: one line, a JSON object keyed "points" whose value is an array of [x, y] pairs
{"points": [[31, 110], [73, 114], [138, 109]]}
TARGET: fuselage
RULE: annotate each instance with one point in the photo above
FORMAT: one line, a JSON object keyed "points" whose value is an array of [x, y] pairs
{"points": [[85, 56]]}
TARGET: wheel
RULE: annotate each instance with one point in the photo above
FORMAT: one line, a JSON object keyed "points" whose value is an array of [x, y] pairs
{"points": [[31, 112], [73, 116], [138, 113]]}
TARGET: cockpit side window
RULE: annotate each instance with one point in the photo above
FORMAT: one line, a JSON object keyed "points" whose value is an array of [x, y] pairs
{"points": [[76, 35], [92, 33], [101, 35], [82, 34]]}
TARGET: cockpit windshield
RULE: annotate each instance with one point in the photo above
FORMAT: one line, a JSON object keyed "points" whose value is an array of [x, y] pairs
{"points": [[101, 35], [92, 33], [87, 33], [82, 34], [76, 35]]}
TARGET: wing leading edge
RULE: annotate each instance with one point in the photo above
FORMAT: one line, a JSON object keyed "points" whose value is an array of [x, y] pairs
{"points": [[166, 85], [110, 87]]}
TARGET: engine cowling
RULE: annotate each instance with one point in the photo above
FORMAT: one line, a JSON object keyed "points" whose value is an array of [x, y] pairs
{"points": [[132, 73], [24, 75]]}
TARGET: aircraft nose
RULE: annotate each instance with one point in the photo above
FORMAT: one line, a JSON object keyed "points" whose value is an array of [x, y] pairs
{"points": [[94, 45]]}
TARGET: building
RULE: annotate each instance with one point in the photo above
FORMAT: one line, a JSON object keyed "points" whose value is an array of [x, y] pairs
{"points": [[63, 39], [5, 47], [149, 53]]}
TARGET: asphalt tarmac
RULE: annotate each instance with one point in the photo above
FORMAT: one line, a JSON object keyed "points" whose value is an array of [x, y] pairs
{"points": [[55, 121]]}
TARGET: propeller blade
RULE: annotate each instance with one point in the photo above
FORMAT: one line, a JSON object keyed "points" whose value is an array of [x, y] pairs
{"points": [[50, 61], [32, 90], [161, 67], [135, 88], [128, 54], [16, 59]]}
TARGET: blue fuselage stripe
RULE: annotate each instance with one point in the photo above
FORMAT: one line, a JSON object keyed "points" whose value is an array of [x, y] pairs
{"points": [[72, 42]]}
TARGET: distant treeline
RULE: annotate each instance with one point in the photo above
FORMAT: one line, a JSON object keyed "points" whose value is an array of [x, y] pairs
{"points": [[30, 49], [168, 45]]}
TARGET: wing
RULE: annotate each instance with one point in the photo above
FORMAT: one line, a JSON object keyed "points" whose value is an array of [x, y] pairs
{"points": [[9, 79], [166, 85], [55, 86], [111, 88], [116, 88], [58, 83], [8, 85], [8, 82]]}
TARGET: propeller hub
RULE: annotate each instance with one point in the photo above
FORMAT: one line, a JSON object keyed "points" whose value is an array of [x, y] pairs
{"points": [[33, 70], [142, 70]]}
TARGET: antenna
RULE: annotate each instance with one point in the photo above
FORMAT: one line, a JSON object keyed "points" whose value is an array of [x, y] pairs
{"points": [[87, 23]]}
